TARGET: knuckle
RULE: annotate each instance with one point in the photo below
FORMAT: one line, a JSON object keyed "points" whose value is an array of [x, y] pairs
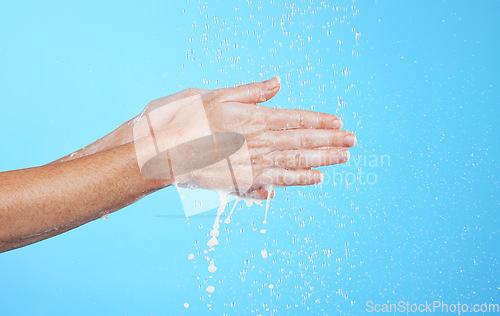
{"points": [[220, 95], [266, 162], [303, 179], [281, 179], [300, 120], [266, 179], [255, 91], [306, 141], [190, 91], [298, 159], [257, 142]]}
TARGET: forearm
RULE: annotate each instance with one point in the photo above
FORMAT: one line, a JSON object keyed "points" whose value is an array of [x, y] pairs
{"points": [[120, 136], [41, 202]]}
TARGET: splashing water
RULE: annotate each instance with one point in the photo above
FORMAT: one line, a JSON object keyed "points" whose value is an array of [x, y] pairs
{"points": [[228, 219], [312, 46], [269, 192]]}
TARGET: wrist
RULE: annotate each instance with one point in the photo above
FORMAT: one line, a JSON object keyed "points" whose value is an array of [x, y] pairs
{"points": [[132, 172]]}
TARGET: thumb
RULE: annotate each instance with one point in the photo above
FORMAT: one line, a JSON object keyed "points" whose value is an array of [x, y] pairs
{"points": [[253, 92]]}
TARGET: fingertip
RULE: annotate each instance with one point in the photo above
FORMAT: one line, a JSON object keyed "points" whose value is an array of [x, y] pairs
{"points": [[256, 92], [350, 140], [337, 124], [273, 83], [267, 90], [343, 155], [347, 155], [318, 177]]}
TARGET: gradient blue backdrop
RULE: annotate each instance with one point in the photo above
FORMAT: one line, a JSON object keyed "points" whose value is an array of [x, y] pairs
{"points": [[418, 85]]}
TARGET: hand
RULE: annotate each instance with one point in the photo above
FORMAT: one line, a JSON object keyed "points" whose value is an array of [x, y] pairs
{"points": [[123, 134], [283, 145]]}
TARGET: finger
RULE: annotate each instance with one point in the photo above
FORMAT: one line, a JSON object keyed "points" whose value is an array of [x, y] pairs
{"points": [[302, 139], [291, 119], [285, 177], [306, 158], [251, 93]]}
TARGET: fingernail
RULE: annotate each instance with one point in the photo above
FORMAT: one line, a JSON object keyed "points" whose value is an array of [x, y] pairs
{"points": [[343, 155], [318, 177], [337, 124], [350, 140], [273, 83]]}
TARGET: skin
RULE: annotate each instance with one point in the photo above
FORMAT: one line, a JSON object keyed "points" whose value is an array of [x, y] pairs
{"points": [[284, 146]]}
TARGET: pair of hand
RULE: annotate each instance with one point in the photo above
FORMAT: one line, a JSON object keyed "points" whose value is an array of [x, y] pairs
{"points": [[283, 145]]}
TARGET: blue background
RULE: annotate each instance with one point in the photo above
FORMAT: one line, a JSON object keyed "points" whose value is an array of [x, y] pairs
{"points": [[419, 86]]}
